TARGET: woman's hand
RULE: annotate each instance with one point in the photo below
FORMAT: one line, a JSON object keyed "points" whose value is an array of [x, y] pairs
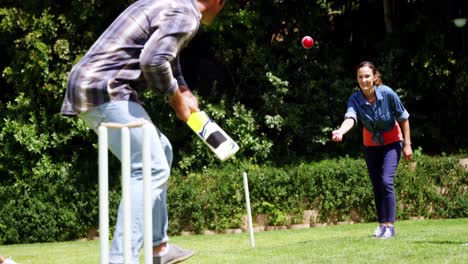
{"points": [[407, 151], [337, 136]]}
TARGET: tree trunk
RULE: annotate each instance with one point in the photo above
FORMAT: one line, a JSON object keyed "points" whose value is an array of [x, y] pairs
{"points": [[388, 17]]}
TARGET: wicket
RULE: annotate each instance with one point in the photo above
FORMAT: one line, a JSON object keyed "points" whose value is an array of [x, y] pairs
{"points": [[247, 203], [126, 204]]}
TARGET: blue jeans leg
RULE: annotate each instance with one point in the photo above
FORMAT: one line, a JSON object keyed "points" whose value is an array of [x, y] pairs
{"points": [[382, 163], [161, 159]]}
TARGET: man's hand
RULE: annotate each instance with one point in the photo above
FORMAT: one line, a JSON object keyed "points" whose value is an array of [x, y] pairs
{"points": [[184, 103]]}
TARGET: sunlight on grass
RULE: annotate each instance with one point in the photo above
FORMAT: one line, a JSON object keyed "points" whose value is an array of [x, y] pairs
{"points": [[428, 241]]}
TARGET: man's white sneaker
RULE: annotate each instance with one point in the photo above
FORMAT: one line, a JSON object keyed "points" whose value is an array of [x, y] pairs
{"points": [[175, 254], [9, 261]]}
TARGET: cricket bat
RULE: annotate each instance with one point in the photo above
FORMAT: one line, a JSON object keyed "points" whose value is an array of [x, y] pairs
{"points": [[212, 135]]}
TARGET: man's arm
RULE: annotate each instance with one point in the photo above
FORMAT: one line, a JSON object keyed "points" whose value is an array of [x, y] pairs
{"points": [[159, 57]]}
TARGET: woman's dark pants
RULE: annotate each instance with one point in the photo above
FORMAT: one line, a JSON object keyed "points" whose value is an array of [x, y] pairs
{"points": [[382, 163]]}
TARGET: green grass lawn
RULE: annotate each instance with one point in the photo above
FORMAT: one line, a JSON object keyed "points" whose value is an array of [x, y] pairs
{"points": [[423, 241]]}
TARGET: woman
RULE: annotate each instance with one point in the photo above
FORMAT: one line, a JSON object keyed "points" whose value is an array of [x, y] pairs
{"points": [[385, 132]]}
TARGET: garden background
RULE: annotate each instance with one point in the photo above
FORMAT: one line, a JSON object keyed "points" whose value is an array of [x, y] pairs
{"points": [[277, 100]]}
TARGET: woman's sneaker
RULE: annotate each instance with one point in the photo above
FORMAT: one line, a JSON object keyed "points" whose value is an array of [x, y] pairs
{"points": [[379, 231], [389, 232]]}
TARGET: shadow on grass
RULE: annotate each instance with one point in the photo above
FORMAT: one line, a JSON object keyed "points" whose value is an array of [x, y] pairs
{"points": [[443, 242]]}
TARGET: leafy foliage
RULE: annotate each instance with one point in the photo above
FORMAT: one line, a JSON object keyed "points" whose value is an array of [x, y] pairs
{"points": [[277, 100], [337, 189]]}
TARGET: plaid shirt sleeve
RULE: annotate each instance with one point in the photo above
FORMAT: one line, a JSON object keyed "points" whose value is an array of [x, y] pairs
{"points": [[139, 50], [160, 54]]}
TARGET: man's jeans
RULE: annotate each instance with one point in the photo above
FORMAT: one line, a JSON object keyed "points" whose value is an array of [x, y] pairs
{"points": [[161, 159]]}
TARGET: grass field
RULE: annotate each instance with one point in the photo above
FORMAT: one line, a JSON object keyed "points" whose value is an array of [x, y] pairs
{"points": [[422, 241]]}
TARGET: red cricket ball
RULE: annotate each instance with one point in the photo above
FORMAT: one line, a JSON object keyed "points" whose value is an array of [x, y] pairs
{"points": [[307, 42]]}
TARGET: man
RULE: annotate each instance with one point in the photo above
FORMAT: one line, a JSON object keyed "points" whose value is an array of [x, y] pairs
{"points": [[140, 50]]}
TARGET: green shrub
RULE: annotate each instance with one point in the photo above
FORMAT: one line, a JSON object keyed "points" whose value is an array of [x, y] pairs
{"points": [[65, 207], [338, 189], [256, 87], [208, 200], [434, 187]]}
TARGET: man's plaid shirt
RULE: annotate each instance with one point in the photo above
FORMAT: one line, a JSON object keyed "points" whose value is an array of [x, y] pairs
{"points": [[139, 50]]}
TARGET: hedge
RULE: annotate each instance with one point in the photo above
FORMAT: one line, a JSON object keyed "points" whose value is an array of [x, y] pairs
{"points": [[336, 189], [213, 198]]}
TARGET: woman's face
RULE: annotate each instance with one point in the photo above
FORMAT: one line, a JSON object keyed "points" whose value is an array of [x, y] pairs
{"points": [[365, 78]]}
